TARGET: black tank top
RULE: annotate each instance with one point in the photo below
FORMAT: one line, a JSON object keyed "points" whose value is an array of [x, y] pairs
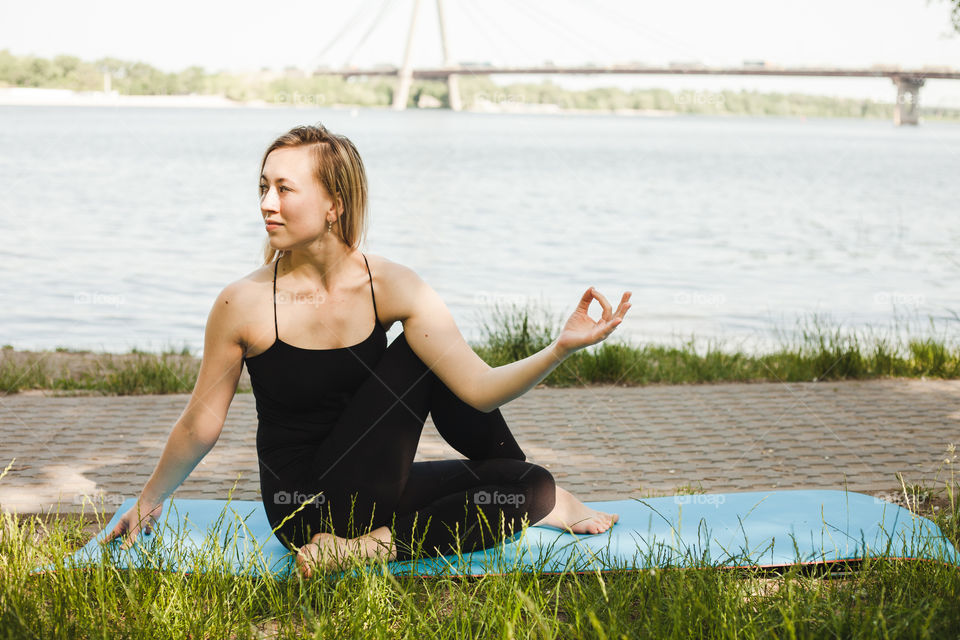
{"points": [[300, 393]]}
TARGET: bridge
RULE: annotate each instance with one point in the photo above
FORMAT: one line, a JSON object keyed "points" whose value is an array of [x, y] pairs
{"points": [[907, 82]]}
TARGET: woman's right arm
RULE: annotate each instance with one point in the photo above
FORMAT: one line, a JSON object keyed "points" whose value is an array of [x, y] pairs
{"points": [[197, 430]]}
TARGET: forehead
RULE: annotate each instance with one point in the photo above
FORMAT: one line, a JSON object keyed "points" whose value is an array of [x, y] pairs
{"points": [[290, 162]]}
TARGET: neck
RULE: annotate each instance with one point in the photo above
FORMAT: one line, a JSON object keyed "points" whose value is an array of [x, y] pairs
{"points": [[324, 263]]}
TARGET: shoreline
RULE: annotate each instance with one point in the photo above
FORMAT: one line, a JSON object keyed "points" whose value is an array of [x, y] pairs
{"points": [[41, 97], [91, 373], [37, 97], [30, 97]]}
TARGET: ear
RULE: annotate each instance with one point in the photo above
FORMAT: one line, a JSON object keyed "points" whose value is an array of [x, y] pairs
{"points": [[336, 208]]}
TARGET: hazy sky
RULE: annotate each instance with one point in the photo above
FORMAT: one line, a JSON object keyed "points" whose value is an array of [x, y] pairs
{"points": [[241, 34]]}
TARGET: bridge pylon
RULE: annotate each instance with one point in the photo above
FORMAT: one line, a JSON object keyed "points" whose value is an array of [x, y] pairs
{"points": [[405, 75], [453, 84], [907, 109]]}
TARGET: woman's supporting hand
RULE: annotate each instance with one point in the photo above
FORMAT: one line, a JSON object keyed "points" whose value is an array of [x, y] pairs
{"points": [[582, 331], [139, 517]]}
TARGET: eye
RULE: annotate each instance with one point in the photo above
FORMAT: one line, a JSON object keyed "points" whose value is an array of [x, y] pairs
{"points": [[287, 188], [263, 188]]}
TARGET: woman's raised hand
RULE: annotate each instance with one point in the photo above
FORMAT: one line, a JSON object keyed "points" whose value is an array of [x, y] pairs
{"points": [[132, 522], [582, 331]]}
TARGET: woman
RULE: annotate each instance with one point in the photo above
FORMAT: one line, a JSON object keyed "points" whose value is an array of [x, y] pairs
{"points": [[340, 415]]}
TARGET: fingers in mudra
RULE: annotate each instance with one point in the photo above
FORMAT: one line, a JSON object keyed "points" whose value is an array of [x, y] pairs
{"points": [[581, 330]]}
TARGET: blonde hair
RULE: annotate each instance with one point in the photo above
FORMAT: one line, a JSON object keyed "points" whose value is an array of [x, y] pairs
{"points": [[339, 170]]}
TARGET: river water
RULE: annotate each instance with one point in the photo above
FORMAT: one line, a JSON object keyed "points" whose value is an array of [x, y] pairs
{"points": [[123, 224]]}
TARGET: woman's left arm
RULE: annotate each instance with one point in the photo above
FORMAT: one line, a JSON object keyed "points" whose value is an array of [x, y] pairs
{"points": [[433, 335]]}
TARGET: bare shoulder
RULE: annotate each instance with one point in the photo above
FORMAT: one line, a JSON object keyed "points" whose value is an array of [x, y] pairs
{"points": [[389, 272], [240, 302], [396, 285], [243, 291]]}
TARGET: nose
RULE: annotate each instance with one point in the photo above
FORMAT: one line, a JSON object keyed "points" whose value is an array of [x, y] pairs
{"points": [[270, 201]]}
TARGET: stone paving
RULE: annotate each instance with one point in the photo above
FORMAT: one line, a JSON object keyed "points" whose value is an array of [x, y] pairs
{"points": [[602, 443]]}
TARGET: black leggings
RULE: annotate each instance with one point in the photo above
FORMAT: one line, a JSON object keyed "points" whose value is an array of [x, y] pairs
{"points": [[366, 477]]}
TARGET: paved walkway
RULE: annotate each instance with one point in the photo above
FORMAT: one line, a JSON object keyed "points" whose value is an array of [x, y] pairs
{"points": [[602, 443]]}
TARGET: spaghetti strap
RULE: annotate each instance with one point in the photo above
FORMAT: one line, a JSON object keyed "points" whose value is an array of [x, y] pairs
{"points": [[369, 275], [276, 330]]}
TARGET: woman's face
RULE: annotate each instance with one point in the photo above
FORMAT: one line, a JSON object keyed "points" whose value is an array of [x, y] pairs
{"points": [[291, 196]]}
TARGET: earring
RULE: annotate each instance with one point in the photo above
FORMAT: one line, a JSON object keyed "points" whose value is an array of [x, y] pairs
{"points": [[329, 226]]}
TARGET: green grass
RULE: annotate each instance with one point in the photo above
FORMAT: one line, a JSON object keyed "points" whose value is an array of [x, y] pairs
{"points": [[818, 350], [883, 598], [145, 373]]}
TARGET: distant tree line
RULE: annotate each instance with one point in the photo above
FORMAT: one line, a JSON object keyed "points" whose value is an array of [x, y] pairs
{"points": [[296, 88], [70, 72]]}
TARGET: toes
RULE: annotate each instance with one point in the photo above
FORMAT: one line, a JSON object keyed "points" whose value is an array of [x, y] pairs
{"points": [[609, 518], [303, 563], [599, 525], [596, 522]]}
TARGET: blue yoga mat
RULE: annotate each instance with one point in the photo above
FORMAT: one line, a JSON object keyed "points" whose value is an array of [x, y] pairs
{"points": [[762, 529]]}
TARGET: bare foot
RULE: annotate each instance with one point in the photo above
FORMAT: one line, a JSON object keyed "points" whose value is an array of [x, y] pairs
{"points": [[327, 552], [572, 515], [324, 552]]}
